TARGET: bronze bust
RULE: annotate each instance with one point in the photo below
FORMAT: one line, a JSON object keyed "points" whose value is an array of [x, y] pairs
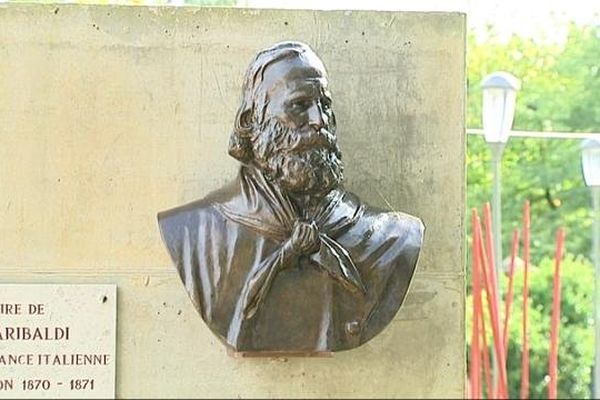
{"points": [[284, 259]]}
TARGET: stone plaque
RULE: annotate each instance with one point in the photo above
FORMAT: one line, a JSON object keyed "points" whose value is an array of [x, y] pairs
{"points": [[57, 341]]}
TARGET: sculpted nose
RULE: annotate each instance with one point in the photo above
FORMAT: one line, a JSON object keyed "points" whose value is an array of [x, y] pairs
{"points": [[316, 118]]}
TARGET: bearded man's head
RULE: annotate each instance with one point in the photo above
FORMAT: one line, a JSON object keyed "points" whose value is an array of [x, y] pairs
{"points": [[285, 126]]}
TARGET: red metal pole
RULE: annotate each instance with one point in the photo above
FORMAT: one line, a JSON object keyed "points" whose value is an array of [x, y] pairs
{"points": [[525, 342], [475, 376], [553, 357], [489, 248], [493, 309], [485, 354], [494, 273]]}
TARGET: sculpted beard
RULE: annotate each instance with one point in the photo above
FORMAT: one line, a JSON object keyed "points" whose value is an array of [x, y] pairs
{"points": [[299, 162]]}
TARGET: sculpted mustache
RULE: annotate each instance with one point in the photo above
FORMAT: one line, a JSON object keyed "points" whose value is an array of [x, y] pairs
{"points": [[316, 140]]}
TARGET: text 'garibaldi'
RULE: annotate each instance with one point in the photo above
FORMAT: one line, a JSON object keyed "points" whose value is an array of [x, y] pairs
{"points": [[284, 258]]}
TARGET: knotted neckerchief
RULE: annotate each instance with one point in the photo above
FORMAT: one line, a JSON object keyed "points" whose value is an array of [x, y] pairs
{"points": [[264, 209]]}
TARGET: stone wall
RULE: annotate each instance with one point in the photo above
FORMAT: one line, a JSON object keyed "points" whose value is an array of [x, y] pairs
{"points": [[110, 114]]}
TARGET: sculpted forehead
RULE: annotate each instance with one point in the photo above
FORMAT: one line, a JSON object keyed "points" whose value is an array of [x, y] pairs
{"points": [[292, 72]]}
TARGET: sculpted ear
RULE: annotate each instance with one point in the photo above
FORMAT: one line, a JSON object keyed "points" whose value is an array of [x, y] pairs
{"points": [[332, 123], [245, 121], [240, 144]]}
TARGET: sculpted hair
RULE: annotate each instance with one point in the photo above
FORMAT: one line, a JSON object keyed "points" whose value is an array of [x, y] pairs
{"points": [[251, 112]]}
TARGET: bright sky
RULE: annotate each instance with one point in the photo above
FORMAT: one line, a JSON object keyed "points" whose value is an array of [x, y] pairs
{"points": [[545, 20]]}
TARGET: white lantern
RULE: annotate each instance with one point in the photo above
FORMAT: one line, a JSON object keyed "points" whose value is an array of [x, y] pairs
{"points": [[590, 161], [499, 100]]}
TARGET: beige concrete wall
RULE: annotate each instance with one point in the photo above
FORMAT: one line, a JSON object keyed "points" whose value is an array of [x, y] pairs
{"points": [[110, 114]]}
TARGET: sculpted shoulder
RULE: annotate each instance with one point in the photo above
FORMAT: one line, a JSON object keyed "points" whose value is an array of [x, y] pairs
{"points": [[411, 225], [189, 214], [396, 224], [179, 226]]}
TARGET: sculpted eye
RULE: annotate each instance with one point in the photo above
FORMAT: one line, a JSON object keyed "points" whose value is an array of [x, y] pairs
{"points": [[299, 106]]}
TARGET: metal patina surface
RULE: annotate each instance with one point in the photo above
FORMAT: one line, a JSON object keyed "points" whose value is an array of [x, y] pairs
{"points": [[284, 259]]}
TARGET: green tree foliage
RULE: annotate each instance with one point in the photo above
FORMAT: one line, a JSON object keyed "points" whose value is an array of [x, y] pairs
{"points": [[576, 333], [581, 60], [560, 92], [576, 346], [548, 174]]}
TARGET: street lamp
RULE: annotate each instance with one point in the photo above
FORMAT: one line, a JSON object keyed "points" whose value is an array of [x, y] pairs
{"points": [[590, 163], [498, 111], [499, 99]]}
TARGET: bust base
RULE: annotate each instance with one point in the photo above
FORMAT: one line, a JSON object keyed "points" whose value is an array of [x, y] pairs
{"points": [[279, 354]]}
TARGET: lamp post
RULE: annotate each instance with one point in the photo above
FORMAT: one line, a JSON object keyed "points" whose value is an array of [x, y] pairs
{"points": [[498, 111], [499, 100], [590, 163]]}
